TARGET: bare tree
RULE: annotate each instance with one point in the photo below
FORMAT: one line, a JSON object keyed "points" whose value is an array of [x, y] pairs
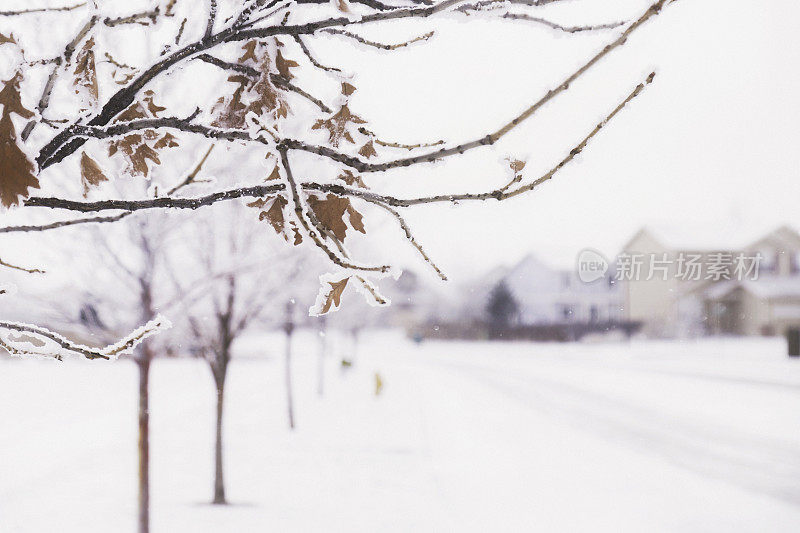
{"points": [[227, 278]]}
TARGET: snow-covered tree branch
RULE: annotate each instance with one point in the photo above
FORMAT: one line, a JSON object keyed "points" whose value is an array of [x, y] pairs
{"points": [[245, 74]]}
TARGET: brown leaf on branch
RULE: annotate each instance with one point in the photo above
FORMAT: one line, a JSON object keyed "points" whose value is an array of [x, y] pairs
{"points": [[260, 97], [167, 141], [337, 125], [330, 212], [284, 65], [351, 179], [4, 39], [152, 107], [275, 174], [334, 296], [134, 112], [356, 220], [86, 72], [348, 89], [274, 214], [134, 147], [249, 52], [516, 165], [11, 100], [136, 152], [342, 6], [368, 150], [16, 170], [231, 111], [91, 173]]}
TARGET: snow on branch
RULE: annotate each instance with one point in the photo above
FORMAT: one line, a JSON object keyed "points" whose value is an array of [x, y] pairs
{"points": [[42, 10], [61, 346], [374, 44], [262, 49]]}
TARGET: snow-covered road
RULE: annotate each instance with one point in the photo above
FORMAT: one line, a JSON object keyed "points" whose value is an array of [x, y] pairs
{"points": [[648, 436]]}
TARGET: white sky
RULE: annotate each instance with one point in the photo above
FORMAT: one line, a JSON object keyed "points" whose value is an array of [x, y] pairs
{"points": [[713, 142]]}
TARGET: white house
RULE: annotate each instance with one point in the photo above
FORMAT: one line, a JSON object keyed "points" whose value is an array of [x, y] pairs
{"points": [[548, 295]]}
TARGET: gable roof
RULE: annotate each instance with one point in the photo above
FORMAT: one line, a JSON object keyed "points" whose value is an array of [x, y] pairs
{"points": [[764, 288], [701, 237]]}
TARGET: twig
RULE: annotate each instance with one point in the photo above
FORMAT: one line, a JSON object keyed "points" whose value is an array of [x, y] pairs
{"points": [[64, 223], [212, 17], [23, 269], [193, 174], [311, 58], [136, 18], [410, 236], [409, 147], [566, 29], [374, 44], [64, 59], [41, 10]]}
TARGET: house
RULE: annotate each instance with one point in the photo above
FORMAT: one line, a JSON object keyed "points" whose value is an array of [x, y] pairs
{"points": [[547, 295], [768, 306], [673, 281]]}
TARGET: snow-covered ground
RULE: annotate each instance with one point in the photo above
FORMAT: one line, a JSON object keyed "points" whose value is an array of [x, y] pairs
{"points": [[648, 436]]}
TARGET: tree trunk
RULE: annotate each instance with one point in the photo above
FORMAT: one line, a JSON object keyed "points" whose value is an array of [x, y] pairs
{"points": [[289, 400], [321, 358], [219, 480], [143, 364]]}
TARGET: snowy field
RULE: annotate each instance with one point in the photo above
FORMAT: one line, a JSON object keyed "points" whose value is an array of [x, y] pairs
{"points": [[697, 436]]}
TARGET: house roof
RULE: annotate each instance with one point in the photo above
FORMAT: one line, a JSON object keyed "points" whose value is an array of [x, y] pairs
{"points": [[765, 288], [705, 237]]}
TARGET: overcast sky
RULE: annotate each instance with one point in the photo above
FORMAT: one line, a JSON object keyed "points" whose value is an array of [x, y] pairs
{"points": [[713, 143]]}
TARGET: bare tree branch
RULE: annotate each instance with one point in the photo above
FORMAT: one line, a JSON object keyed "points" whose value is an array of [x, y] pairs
{"points": [[374, 44], [566, 29], [311, 58], [193, 174], [41, 10], [23, 269], [212, 17], [64, 59]]}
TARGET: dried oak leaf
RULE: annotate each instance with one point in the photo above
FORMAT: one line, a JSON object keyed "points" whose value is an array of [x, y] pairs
{"points": [[334, 296], [16, 170], [134, 112], [275, 174], [284, 65], [4, 39], [351, 179], [85, 72], [91, 173], [167, 141], [516, 165], [230, 112], [330, 212], [275, 216], [137, 152], [134, 147], [337, 125], [348, 89], [260, 97], [249, 52], [368, 150], [11, 100], [154, 108]]}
